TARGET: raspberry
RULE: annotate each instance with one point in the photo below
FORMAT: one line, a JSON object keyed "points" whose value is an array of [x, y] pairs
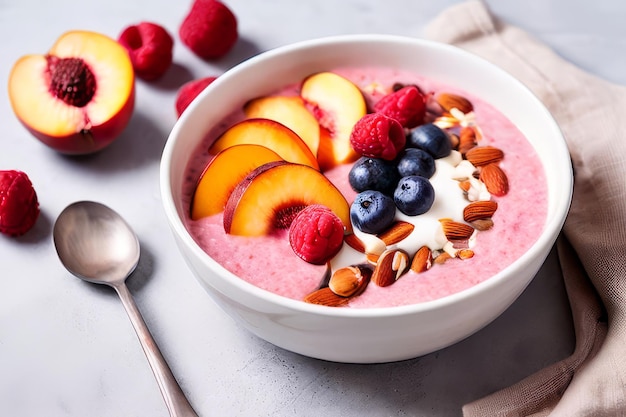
{"points": [[378, 136], [209, 29], [19, 207], [150, 48], [407, 105], [316, 234], [189, 91]]}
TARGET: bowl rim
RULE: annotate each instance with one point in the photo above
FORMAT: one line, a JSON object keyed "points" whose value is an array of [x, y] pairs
{"points": [[551, 229]]}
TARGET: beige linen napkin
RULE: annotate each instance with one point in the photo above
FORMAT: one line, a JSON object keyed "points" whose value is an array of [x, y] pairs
{"points": [[592, 249]]}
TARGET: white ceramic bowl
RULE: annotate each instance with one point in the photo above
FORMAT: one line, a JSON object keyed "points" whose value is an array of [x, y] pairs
{"points": [[379, 334]]}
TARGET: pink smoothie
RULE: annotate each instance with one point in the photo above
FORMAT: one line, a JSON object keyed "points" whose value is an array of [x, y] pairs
{"points": [[269, 263]]}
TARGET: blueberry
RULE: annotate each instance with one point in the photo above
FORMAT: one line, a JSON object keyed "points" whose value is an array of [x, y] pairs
{"points": [[372, 211], [430, 138], [413, 161], [414, 195], [373, 174]]}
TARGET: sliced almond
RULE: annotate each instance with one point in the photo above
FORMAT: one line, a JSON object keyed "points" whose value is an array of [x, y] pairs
{"points": [[398, 231], [423, 260], [326, 297], [445, 122], [441, 258], [392, 264], [354, 242], [465, 254], [479, 210], [456, 230], [483, 155], [372, 258], [495, 179], [351, 280], [465, 185], [449, 101]]}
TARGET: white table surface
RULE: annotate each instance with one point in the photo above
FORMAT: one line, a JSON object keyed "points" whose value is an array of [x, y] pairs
{"points": [[67, 347]]}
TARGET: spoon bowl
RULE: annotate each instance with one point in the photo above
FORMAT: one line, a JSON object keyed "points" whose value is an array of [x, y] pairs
{"points": [[97, 245]]}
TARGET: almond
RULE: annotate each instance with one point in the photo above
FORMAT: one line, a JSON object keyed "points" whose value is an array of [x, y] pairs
{"points": [[326, 277], [482, 224], [494, 179], [450, 101], [326, 297], [354, 242], [479, 210], [456, 230], [465, 185], [398, 231], [423, 260], [445, 122], [465, 254], [372, 258], [351, 280], [467, 139], [483, 155], [392, 264], [454, 140], [442, 258]]}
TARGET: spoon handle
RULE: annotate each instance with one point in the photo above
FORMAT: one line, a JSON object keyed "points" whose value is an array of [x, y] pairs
{"points": [[175, 399]]}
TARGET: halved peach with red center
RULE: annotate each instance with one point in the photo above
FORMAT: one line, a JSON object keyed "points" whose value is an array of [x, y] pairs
{"points": [[79, 96], [223, 173], [290, 111], [272, 195], [338, 104], [269, 133]]}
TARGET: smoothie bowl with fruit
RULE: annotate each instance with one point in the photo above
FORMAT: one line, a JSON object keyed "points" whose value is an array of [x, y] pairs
{"points": [[365, 198]]}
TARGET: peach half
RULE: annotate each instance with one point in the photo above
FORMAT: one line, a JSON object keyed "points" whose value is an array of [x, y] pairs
{"points": [[223, 173], [269, 133], [290, 111], [272, 195], [337, 103], [79, 96]]}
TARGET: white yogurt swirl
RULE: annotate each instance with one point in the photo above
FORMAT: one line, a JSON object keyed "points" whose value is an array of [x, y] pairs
{"points": [[450, 200]]}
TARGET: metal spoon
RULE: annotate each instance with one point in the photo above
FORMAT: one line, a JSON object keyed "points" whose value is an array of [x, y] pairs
{"points": [[97, 245]]}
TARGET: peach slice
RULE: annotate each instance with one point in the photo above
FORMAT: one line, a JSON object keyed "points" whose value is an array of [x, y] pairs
{"points": [[338, 104], [79, 96], [223, 173], [269, 133], [271, 196], [290, 111]]}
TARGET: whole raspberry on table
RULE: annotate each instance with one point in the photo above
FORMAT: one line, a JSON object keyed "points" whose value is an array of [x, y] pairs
{"points": [[209, 29], [407, 105], [19, 207], [150, 48], [190, 90], [316, 234], [378, 136]]}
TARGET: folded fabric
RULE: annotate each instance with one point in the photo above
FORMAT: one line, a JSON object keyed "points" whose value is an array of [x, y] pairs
{"points": [[592, 249]]}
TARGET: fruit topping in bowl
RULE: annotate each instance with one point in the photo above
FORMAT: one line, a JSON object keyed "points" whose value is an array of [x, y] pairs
{"points": [[368, 184], [271, 196], [316, 234]]}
